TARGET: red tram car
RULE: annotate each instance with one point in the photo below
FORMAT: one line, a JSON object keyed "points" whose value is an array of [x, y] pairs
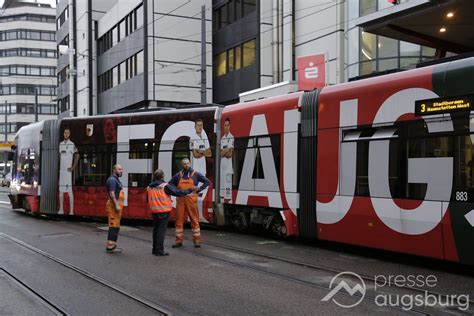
{"points": [[385, 162]]}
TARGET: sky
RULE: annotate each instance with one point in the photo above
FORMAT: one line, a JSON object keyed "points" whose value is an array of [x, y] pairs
{"points": [[52, 2]]}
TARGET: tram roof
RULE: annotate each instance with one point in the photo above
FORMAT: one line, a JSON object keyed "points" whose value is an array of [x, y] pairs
{"points": [[151, 112]]}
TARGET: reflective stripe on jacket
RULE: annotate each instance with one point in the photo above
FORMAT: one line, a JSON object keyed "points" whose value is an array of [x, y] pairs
{"points": [[158, 200]]}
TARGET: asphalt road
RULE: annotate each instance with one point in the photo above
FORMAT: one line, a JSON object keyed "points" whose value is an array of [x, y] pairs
{"points": [[58, 266]]}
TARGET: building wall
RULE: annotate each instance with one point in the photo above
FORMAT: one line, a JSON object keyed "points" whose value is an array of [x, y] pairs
{"points": [[366, 53], [167, 45], [229, 39], [20, 71], [174, 67], [319, 29], [284, 30], [86, 15]]}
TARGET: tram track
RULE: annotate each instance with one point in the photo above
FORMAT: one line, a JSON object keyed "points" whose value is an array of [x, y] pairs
{"points": [[282, 276], [319, 285], [89, 275], [34, 294], [369, 279]]}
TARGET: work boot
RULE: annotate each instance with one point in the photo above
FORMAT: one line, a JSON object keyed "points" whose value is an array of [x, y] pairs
{"points": [[161, 253], [197, 245], [114, 250], [177, 245]]}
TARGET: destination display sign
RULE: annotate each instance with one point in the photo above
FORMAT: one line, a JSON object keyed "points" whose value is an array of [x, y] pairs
{"points": [[444, 105]]}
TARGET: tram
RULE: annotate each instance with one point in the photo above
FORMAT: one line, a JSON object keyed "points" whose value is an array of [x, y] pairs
{"points": [[383, 162]]}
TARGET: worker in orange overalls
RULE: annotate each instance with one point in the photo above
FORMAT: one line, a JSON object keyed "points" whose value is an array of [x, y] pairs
{"points": [[188, 178], [114, 208], [160, 204]]}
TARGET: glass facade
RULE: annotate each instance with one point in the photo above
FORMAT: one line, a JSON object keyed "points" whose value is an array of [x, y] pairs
{"points": [[29, 108], [242, 55], [11, 35], [368, 53], [26, 89], [28, 52], [27, 70], [28, 17], [232, 11]]}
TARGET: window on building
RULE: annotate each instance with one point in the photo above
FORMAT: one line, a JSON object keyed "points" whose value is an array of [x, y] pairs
{"points": [[131, 67], [238, 57], [387, 47], [427, 52], [230, 11], [4, 71], [51, 54], [114, 36], [35, 35], [409, 49], [368, 49], [230, 59], [140, 62], [115, 78], [140, 17], [249, 53], [223, 15], [238, 9], [123, 72], [11, 36], [131, 23], [367, 7], [387, 53], [122, 30], [20, 70], [220, 64], [409, 62], [249, 6]]}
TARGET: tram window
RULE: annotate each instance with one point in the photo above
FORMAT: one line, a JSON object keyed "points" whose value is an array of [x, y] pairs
{"points": [[140, 149], [180, 151], [93, 167], [240, 148], [463, 189], [362, 169], [430, 147], [28, 163], [423, 145], [260, 147]]}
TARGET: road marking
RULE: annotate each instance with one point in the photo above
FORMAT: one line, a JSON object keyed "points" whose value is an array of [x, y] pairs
{"points": [[267, 242], [4, 202]]}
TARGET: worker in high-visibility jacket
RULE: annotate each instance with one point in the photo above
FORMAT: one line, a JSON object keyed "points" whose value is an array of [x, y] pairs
{"points": [[187, 205], [160, 204]]}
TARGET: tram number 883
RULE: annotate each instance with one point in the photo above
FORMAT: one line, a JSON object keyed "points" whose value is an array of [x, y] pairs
{"points": [[461, 196]]}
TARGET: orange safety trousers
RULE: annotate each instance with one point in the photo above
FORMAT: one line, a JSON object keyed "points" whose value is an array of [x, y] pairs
{"points": [[187, 205]]}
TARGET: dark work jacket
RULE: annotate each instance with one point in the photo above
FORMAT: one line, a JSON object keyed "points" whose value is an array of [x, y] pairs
{"points": [[170, 189], [198, 177]]}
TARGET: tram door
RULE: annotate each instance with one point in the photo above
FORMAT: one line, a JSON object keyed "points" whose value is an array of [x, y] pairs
{"points": [[307, 165]]}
